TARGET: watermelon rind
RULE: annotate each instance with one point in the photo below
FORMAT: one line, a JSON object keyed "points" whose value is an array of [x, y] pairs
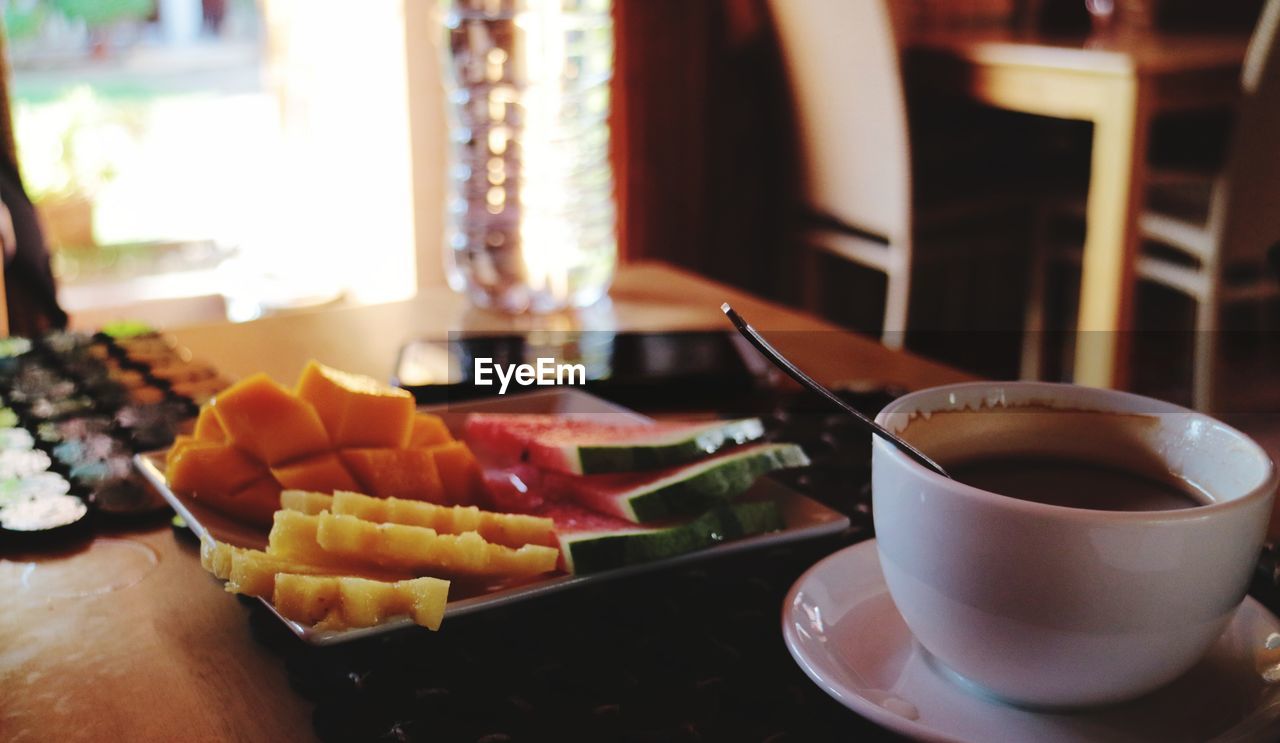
{"points": [[689, 489], [593, 552], [663, 449]]}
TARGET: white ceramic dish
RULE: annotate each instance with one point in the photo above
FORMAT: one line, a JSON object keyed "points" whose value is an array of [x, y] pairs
{"points": [[843, 629], [805, 518]]}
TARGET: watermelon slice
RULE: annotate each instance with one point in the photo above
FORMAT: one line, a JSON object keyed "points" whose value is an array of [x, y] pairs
{"points": [[643, 498], [590, 543], [586, 445]]}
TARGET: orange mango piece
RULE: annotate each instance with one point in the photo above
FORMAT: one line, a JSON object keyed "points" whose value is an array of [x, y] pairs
{"points": [[263, 418], [395, 473], [202, 468], [180, 442], [319, 472], [460, 473], [357, 411], [208, 427], [428, 430], [253, 503]]}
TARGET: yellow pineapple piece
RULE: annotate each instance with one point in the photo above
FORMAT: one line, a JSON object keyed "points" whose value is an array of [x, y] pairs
{"points": [[419, 548], [305, 501], [215, 557], [304, 598], [334, 603], [427, 599], [254, 572], [510, 529], [293, 536]]}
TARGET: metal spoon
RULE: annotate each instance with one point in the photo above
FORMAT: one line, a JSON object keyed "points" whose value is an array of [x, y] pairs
{"points": [[772, 354]]}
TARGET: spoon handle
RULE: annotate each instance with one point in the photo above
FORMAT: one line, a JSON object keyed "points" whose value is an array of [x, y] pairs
{"points": [[805, 380]]}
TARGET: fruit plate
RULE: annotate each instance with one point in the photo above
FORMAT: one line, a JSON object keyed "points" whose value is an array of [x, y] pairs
{"points": [[805, 518]]}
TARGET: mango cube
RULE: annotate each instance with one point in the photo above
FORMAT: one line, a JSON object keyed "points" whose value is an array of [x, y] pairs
{"points": [[428, 430], [205, 468], [208, 427], [316, 472], [460, 473], [264, 419], [395, 473], [357, 411], [255, 503]]}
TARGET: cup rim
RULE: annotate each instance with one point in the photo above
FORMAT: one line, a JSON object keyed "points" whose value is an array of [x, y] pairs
{"points": [[1261, 491]]}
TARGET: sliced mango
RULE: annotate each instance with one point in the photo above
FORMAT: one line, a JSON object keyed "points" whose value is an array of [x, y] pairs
{"points": [[255, 503], [204, 468], [460, 473], [263, 418], [208, 427], [180, 442], [357, 411], [395, 473], [428, 430], [316, 472]]}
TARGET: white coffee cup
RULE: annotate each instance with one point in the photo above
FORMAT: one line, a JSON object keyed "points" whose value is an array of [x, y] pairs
{"points": [[1050, 606]]}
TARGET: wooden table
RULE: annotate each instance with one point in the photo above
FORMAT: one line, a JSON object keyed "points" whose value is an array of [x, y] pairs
{"points": [[166, 654], [1119, 84]]}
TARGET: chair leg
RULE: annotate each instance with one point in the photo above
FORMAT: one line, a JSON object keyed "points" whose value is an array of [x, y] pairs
{"points": [[896, 299], [1204, 376]]}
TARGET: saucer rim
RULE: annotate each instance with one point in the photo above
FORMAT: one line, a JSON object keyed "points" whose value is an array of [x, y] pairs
{"points": [[845, 695], [859, 703]]}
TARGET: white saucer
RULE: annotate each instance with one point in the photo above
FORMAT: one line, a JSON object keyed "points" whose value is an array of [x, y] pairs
{"points": [[843, 629]]}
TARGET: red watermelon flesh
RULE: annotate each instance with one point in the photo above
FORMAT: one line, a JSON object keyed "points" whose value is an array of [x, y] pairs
{"points": [[601, 442], [523, 489], [504, 438]]}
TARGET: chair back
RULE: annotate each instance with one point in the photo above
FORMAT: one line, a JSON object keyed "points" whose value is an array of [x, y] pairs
{"points": [[851, 115], [1247, 209]]}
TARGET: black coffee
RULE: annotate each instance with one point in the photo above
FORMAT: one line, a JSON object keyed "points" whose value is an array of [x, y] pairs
{"points": [[1077, 484]]}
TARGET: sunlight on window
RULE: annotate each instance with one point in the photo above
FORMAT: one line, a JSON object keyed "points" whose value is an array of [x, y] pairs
{"points": [[275, 138]]}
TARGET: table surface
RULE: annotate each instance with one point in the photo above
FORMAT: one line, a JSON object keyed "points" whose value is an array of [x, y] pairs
{"points": [[126, 638]]}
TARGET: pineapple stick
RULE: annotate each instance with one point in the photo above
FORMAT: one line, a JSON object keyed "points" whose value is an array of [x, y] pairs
{"points": [[509, 529], [334, 603], [422, 549], [305, 501]]}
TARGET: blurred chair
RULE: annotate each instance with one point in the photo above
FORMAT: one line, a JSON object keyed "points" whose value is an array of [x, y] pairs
{"points": [[1209, 236], [851, 116]]}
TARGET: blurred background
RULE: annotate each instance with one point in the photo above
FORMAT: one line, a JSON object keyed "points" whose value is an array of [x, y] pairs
{"points": [[200, 160]]}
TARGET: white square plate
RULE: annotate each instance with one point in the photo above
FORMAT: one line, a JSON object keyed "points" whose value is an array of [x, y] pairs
{"points": [[805, 518]]}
